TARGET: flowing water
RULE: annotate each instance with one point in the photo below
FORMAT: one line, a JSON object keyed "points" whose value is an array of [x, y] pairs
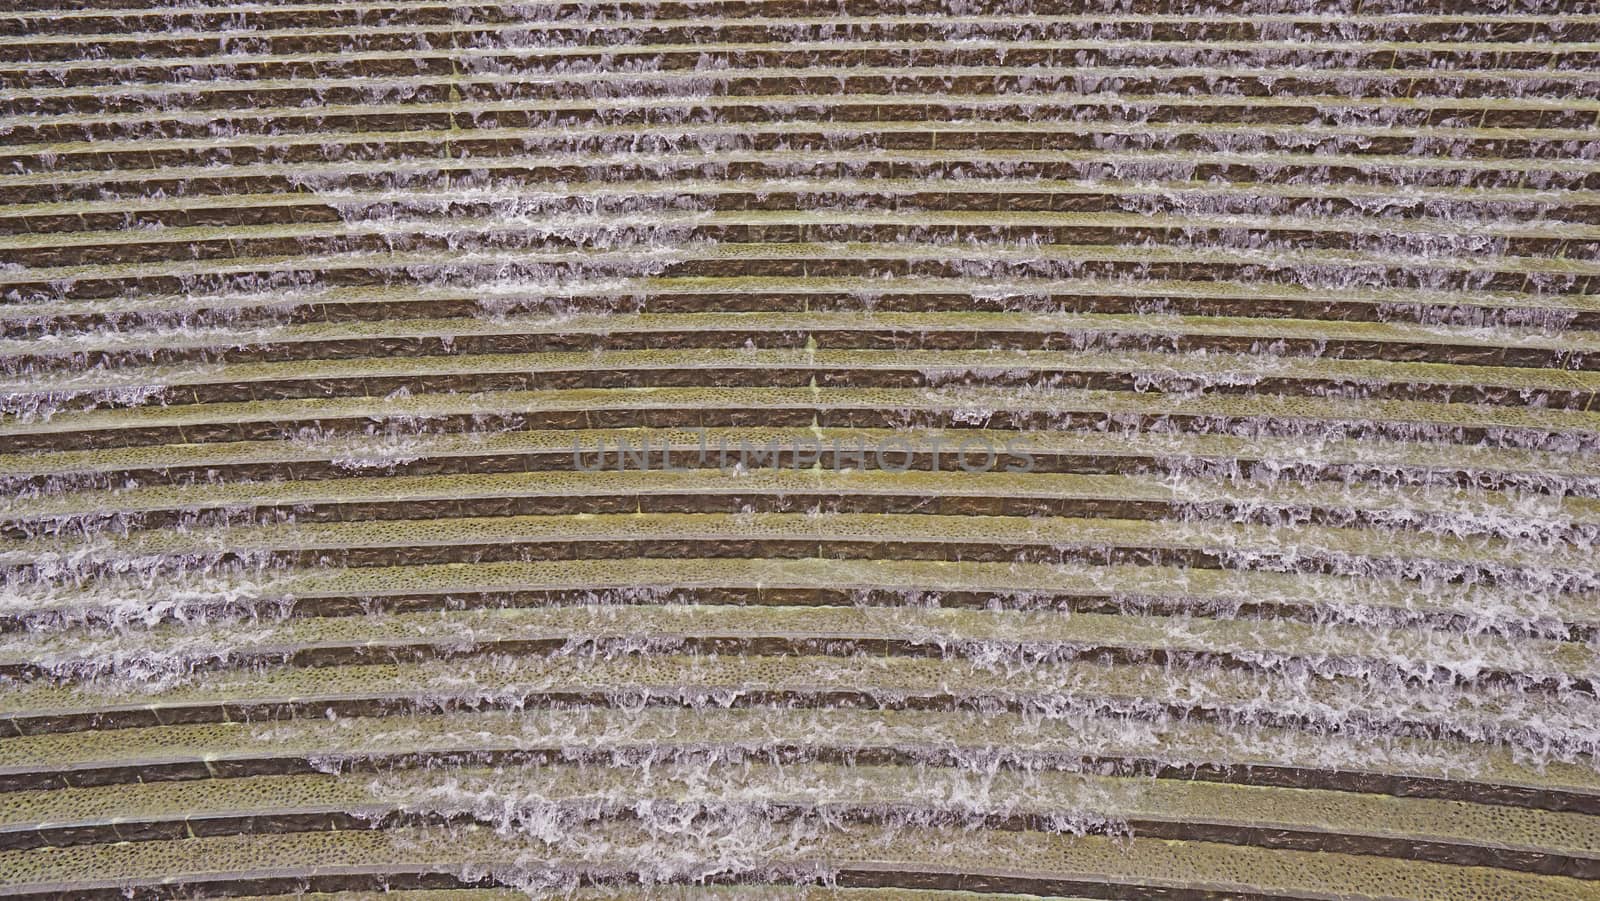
{"points": [[750, 447]]}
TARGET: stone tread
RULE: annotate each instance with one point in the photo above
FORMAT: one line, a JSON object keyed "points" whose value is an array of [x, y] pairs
{"points": [[1535, 77], [979, 403], [1158, 367], [734, 285], [1552, 48], [1042, 99], [445, 136], [216, 748], [151, 599], [1579, 343], [90, 11], [889, 529], [743, 253], [357, 453], [949, 482], [982, 631], [124, 89], [773, 218], [805, 785], [400, 163], [1096, 859], [880, 186], [674, 892], [1387, 643], [1491, 715], [668, 893]]}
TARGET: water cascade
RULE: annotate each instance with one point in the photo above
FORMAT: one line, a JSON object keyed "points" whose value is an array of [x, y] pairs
{"points": [[752, 449]]}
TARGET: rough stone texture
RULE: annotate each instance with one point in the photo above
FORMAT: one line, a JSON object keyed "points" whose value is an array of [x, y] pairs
{"points": [[797, 449]]}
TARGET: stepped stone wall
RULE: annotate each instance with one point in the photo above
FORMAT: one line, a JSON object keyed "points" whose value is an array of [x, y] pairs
{"points": [[800, 449]]}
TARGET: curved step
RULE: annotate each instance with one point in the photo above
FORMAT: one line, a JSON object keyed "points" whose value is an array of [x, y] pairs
{"points": [[1145, 692], [951, 489], [44, 394], [372, 267], [666, 305], [533, 450], [1365, 139], [831, 330], [1096, 742], [799, 407], [1425, 205], [825, 535], [169, 651], [1444, 831], [1279, 584], [686, 238], [1374, 170], [1034, 862], [438, 30], [65, 116], [1492, 112], [748, 11], [156, 597]]}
